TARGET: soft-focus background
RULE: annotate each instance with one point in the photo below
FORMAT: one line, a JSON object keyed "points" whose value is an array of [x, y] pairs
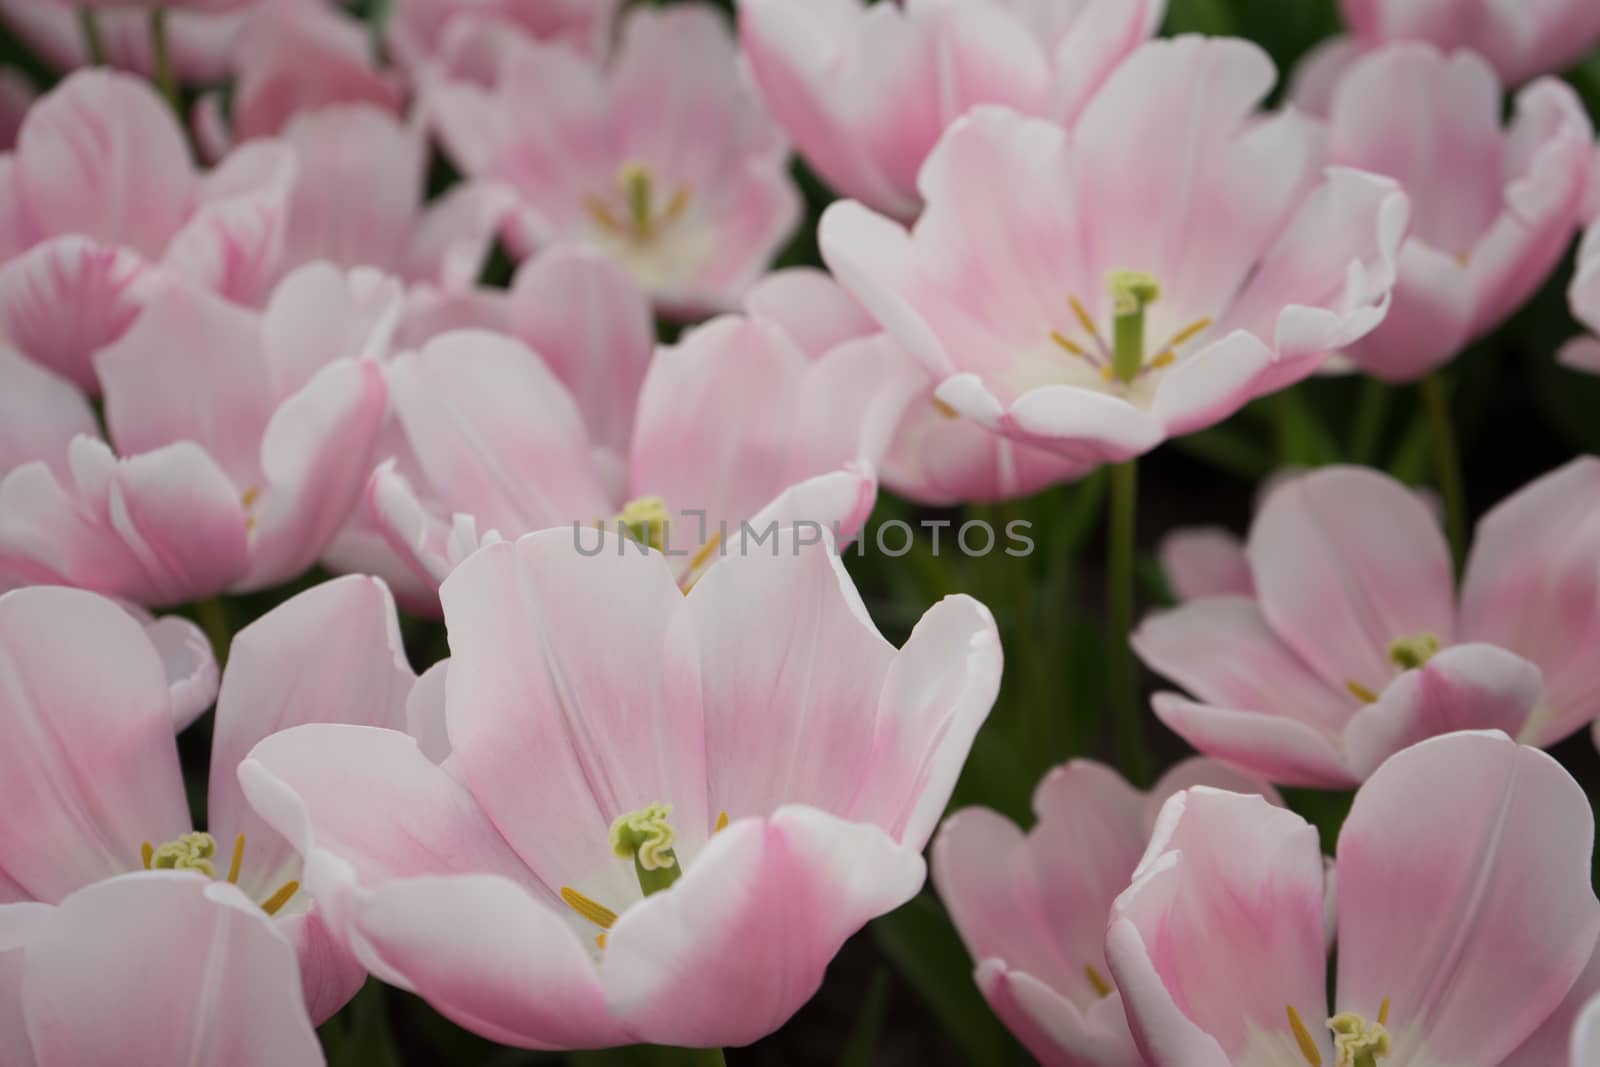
{"points": [[900, 992]]}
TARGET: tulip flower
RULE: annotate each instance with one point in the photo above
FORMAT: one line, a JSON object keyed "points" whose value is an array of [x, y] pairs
{"points": [[1493, 210], [733, 425], [105, 208], [358, 202], [661, 158], [1464, 915], [417, 27], [1032, 908], [1584, 353], [17, 95], [242, 443], [935, 456], [155, 967], [89, 765], [661, 815], [1140, 277], [1354, 643], [299, 59]]}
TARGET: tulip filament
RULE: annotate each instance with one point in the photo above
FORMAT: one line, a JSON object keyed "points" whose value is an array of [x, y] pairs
{"points": [[640, 222], [1123, 359]]}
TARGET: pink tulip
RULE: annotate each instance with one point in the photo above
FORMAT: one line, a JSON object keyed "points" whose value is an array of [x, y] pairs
{"points": [[867, 90], [242, 442], [358, 202], [1464, 915], [159, 967], [92, 733], [1106, 296], [757, 732], [294, 60], [17, 95], [1205, 561], [1032, 908], [1584, 353], [417, 27], [934, 456], [105, 209], [1354, 643], [733, 424], [1521, 40], [662, 158], [1493, 210]]}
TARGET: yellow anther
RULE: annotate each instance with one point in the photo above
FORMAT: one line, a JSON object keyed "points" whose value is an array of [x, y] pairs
{"points": [[596, 913], [600, 940], [237, 860], [1102, 988], [1383, 1012], [1188, 332], [706, 551], [276, 901], [146, 852], [1361, 692], [1165, 359], [1069, 344], [1082, 314], [191, 852], [722, 822], [250, 497], [945, 409], [1302, 1037], [676, 206], [600, 212], [1107, 373]]}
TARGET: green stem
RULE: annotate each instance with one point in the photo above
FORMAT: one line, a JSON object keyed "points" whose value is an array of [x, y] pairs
{"points": [[700, 1057], [1447, 461], [89, 23], [166, 77], [213, 618], [1371, 414], [1122, 681]]}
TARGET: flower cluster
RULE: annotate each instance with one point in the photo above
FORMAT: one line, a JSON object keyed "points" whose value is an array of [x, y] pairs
{"points": [[502, 401]]}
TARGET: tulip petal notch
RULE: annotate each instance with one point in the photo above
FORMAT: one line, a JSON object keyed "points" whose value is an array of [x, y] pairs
{"points": [[646, 837], [1121, 361], [197, 851], [642, 219]]}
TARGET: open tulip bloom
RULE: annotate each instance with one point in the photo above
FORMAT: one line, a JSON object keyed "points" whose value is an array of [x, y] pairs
{"points": [[1140, 277], [1350, 642], [662, 158], [103, 209], [866, 90], [89, 764], [1493, 210], [1464, 917], [663, 813], [1032, 908], [243, 441]]}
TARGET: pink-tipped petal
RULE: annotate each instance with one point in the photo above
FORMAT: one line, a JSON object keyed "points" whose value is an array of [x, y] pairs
{"points": [[1205, 561], [233, 244], [1273, 747], [191, 665]]}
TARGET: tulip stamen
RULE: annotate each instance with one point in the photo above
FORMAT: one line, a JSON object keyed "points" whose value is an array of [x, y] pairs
{"points": [[197, 852], [1409, 653], [1361, 692], [595, 912], [237, 860], [647, 521], [641, 221], [722, 822], [646, 837], [1358, 1042], [273, 904], [1303, 1038], [1102, 988]]}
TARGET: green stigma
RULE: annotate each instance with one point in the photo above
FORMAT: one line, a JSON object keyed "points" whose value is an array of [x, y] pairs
{"points": [[1358, 1042], [191, 852], [1409, 653], [1131, 292], [646, 837], [646, 521]]}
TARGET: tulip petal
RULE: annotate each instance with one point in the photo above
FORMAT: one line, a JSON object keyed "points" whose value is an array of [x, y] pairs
{"points": [[1435, 916], [1205, 561], [190, 663], [40, 413], [1273, 747]]}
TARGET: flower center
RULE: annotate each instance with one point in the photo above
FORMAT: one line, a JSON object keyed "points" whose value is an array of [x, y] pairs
{"points": [[646, 520], [642, 219], [1407, 654], [1357, 1042], [1123, 359], [196, 851]]}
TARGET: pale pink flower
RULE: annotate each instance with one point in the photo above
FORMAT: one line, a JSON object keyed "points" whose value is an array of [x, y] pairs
{"points": [[416, 28], [243, 440], [156, 967], [103, 208], [1206, 237], [1465, 914], [732, 424], [662, 158], [1584, 353], [359, 202], [934, 456], [866, 90], [1202, 561], [1586, 1036], [1032, 908], [293, 60], [1355, 644], [89, 764], [793, 760], [1493, 210], [1520, 39]]}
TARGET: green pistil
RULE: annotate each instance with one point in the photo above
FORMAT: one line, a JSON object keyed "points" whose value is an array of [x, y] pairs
{"points": [[1409, 653], [1131, 292], [191, 852], [646, 837]]}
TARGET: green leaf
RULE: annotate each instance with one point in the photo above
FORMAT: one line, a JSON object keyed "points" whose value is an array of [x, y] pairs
{"points": [[359, 1036], [1211, 17], [861, 1050]]}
